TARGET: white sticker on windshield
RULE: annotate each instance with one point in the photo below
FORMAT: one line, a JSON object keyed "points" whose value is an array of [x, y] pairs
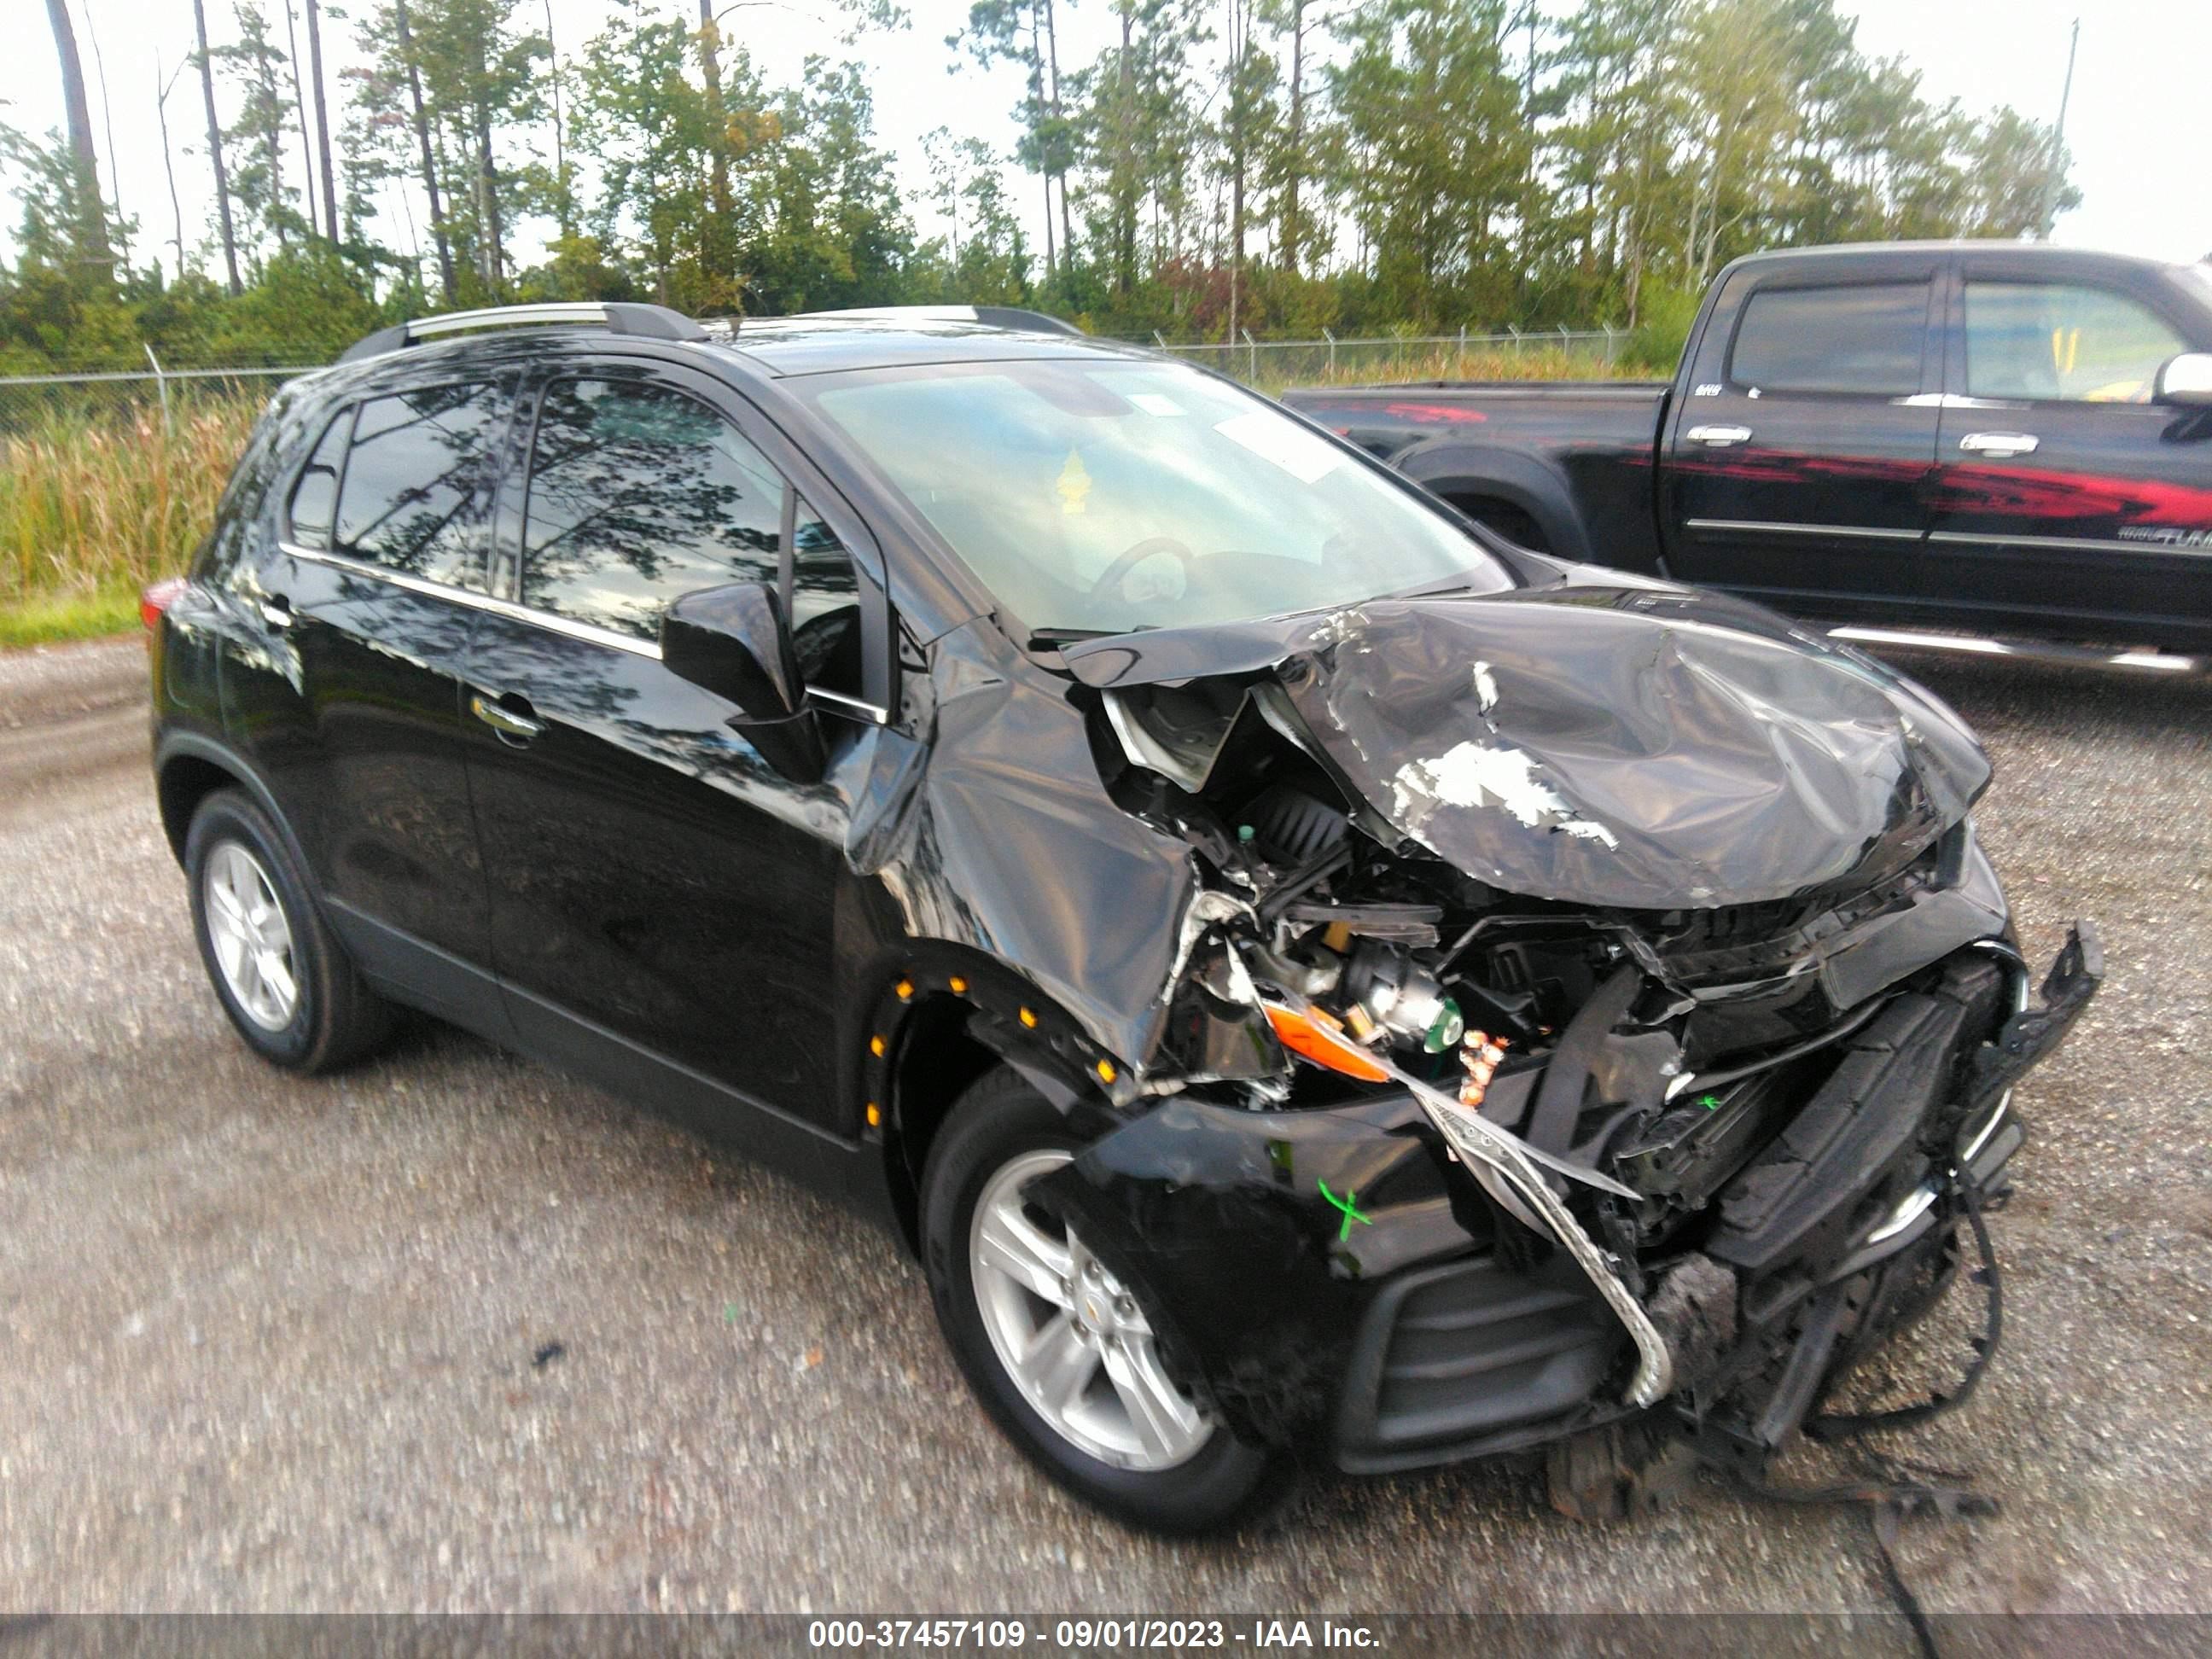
{"points": [[1152, 403], [1271, 438]]}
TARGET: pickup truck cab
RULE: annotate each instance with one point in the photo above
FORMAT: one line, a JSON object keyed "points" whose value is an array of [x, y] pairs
{"points": [[1987, 439]]}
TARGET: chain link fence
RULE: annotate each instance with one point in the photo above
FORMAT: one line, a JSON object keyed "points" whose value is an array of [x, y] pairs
{"points": [[1274, 364], [29, 402]]}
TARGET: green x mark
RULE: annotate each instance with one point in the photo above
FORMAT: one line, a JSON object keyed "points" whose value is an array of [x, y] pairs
{"points": [[1351, 1214]]}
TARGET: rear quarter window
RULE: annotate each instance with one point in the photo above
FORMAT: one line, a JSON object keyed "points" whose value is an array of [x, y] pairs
{"points": [[314, 503], [409, 494], [1862, 337]]}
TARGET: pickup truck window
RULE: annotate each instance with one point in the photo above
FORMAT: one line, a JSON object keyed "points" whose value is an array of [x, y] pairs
{"points": [[1862, 337], [2056, 341]]}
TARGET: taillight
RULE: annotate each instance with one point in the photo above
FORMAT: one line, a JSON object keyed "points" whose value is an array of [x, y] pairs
{"points": [[157, 599]]}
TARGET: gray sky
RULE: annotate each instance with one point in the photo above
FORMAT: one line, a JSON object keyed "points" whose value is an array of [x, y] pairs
{"points": [[2138, 124]]}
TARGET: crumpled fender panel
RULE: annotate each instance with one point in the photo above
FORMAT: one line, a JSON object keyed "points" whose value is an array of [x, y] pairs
{"points": [[998, 835], [1630, 746]]}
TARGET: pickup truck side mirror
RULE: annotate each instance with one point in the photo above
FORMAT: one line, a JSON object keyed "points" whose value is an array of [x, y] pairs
{"points": [[2186, 380], [733, 642]]}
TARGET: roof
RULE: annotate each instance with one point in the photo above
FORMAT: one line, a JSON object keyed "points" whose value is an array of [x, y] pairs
{"points": [[1989, 244], [827, 345]]}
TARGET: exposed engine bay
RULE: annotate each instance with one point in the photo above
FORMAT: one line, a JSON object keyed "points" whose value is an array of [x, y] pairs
{"points": [[1743, 1114]]}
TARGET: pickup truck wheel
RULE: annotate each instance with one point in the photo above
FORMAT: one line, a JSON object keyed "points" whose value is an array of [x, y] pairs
{"points": [[1057, 1346]]}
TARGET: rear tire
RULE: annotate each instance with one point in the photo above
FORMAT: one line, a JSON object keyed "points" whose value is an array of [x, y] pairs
{"points": [[1167, 1466], [280, 973]]}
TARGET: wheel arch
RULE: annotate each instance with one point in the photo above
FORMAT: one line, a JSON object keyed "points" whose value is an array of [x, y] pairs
{"points": [[943, 1020], [1467, 474], [188, 767]]}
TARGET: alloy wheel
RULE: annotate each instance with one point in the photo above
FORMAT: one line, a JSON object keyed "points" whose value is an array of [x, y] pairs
{"points": [[1069, 1333], [253, 939]]}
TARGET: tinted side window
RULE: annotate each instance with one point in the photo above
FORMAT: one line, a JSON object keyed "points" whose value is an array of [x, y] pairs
{"points": [[824, 606], [409, 496], [1866, 338], [2055, 341], [315, 496], [639, 494]]}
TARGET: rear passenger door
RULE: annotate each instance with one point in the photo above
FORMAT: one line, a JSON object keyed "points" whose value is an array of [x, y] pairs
{"points": [[2065, 497], [348, 699], [1797, 465], [664, 905]]}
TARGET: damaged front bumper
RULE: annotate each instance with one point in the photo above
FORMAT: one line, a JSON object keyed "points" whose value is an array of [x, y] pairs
{"points": [[1333, 1275]]}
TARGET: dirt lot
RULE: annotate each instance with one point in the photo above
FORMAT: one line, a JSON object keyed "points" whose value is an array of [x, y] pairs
{"points": [[267, 1343]]}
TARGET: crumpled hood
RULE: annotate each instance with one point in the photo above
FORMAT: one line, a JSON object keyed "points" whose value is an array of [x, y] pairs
{"points": [[1640, 746]]}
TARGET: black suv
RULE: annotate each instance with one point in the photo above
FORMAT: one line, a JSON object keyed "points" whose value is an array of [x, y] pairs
{"points": [[1305, 975]]}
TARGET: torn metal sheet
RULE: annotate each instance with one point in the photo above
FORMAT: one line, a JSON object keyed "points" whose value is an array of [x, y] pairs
{"points": [[1627, 747]]}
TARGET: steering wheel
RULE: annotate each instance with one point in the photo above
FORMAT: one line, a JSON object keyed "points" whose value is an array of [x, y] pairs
{"points": [[1135, 554]]}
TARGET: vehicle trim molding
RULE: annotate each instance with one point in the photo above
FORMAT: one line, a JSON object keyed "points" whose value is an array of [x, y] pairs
{"points": [[838, 701], [1762, 527], [874, 713], [484, 602], [2023, 650], [2083, 543]]}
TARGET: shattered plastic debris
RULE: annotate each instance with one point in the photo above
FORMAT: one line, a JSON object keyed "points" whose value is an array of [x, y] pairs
{"points": [[1710, 754]]}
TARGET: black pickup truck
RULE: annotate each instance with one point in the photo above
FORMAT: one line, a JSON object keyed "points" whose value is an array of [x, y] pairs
{"points": [[1985, 439]]}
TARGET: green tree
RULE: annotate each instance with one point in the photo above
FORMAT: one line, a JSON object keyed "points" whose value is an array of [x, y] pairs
{"points": [[88, 234], [1025, 31], [254, 65], [1432, 152]]}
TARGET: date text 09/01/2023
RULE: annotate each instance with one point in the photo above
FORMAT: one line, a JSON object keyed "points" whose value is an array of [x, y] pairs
{"points": [[1131, 1633]]}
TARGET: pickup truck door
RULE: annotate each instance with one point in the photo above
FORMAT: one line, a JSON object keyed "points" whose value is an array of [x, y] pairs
{"points": [[1798, 454], [2065, 500]]}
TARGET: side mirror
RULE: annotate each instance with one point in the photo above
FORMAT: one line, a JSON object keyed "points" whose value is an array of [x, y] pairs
{"points": [[2186, 380], [732, 641]]}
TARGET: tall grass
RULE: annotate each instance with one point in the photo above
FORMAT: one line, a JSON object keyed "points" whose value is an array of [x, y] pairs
{"points": [[1534, 361], [91, 509]]}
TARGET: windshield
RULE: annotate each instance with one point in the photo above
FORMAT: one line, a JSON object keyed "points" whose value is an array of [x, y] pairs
{"points": [[1101, 496]]}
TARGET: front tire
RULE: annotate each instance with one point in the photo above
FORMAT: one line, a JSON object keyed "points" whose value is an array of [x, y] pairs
{"points": [[280, 973], [1057, 1347]]}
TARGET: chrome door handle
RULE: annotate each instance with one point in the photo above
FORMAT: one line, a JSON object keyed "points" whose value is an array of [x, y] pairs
{"points": [[510, 726], [1718, 437], [1999, 443]]}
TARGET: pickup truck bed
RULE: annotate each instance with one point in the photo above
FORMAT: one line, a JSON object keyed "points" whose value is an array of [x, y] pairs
{"points": [[1988, 438]]}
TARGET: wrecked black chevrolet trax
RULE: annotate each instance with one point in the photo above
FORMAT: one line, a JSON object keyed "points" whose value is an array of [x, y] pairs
{"points": [[1309, 979]]}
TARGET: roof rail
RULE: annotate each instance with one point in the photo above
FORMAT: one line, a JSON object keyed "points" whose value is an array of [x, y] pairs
{"points": [[646, 321], [1012, 317]]}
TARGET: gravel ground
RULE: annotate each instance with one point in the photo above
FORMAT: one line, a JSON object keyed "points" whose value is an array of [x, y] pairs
{"points": [[455, 1332]]}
